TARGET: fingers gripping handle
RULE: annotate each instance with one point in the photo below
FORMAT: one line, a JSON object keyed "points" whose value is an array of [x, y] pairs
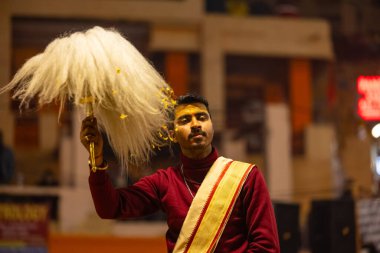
{"points": [[90, 112]]}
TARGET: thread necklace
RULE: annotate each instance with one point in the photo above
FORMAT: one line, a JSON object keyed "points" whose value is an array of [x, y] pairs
{"points": [[184, 179]]}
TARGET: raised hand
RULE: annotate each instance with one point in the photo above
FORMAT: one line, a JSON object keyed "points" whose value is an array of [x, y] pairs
{"points": [[90, 133]]}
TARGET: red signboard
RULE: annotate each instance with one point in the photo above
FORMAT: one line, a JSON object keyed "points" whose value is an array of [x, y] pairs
{"points": [[369, 102], [23, 227]]}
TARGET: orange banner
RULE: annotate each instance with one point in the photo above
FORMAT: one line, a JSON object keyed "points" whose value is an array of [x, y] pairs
{"points": [[177, 72], [300, 93]]}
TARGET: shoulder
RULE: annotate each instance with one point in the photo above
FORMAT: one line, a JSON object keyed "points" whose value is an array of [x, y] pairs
{"points": [[163, 174], [166, 171], [160, 180], [255, 181], [256, 174], [253, 168]]}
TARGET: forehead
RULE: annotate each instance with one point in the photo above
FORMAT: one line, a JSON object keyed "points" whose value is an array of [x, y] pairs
{"points": [[190, 109]]}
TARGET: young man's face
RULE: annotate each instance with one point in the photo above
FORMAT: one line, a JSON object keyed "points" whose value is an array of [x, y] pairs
{"points": [[193, 130]]}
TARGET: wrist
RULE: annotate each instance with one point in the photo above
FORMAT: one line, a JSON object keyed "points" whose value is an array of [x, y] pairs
{"points": [[98, 166], [99, 160]]}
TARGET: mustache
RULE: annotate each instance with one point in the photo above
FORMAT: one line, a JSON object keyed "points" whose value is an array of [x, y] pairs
{"points": [[196, 132]]}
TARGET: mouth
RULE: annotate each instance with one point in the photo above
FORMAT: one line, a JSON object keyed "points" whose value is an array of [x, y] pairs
{"points": [[197, 135]]}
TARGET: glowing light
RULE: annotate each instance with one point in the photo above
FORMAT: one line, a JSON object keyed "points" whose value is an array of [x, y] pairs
{"points": [[378, 165], [369, 103], [376, 131]]}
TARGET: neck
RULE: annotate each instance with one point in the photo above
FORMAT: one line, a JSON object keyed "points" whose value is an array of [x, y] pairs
{"points": [[197, 154], [196, 169]]}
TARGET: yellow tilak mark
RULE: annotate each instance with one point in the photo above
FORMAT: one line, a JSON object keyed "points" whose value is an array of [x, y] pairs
{"points": [[118, 70], [123, 116]]}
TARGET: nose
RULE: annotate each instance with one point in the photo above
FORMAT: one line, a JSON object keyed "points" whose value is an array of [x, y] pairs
{"points": [[195, 123]]}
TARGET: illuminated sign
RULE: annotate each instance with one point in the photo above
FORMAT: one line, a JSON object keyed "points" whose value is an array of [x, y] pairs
{"points": [[369, 102], [23, 227]]}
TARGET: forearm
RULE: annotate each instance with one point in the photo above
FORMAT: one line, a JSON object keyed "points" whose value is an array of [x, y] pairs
{"points": [[130, 202], [104, 195]]}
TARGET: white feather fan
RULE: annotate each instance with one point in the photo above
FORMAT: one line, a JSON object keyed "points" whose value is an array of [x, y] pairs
{"points": [[131, 99]]}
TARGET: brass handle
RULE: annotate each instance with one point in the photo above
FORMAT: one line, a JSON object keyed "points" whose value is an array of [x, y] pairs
{"points": [[90, 112]]}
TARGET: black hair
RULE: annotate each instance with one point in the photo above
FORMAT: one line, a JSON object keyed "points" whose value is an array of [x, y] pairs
{"points": [[191, 99]]}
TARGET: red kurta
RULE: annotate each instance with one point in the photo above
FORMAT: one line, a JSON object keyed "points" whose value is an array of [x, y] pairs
{"points": [[251, 227]]}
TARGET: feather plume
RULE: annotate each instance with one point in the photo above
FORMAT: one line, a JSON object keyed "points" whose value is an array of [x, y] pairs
{"points": [[131, 100]]}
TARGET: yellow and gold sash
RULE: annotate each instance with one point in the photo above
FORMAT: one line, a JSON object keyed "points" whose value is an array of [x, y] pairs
{"points": [[212, 206]]}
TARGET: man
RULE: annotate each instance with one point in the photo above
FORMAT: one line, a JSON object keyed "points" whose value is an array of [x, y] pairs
{"points": [[247, 223]]}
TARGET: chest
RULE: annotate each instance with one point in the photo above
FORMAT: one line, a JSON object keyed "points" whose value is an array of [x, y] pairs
{"points": [[176, 203]]}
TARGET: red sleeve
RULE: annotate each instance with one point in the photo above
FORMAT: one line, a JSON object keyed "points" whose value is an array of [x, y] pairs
{"points": [[261, 221], [137, 200]]}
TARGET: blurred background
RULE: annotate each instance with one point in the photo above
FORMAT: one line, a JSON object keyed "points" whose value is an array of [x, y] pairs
{"points": [[293, 85]]}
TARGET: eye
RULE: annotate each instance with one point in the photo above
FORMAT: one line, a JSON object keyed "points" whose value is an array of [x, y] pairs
{"points": [[182, 120], [202, 117]]}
